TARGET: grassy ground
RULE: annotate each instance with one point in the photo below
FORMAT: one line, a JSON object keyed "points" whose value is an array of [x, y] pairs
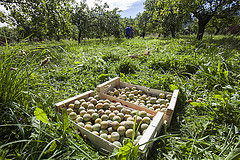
{"points": [[205, 124]]}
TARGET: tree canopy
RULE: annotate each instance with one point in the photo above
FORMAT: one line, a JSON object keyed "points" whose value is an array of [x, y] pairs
{"points": [[171, 15], [57, 19], [40, 19], [204, 11]]}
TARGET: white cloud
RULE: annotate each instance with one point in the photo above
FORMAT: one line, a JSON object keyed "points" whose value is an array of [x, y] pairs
{"points": [[2, 8], [121, 4]]}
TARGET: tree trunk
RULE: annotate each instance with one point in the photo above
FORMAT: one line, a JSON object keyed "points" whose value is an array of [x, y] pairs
{"points": [[58, 38], [164, 35], [217, 30], [202, 22], [201, 28], [79, 36], [172, 29]]}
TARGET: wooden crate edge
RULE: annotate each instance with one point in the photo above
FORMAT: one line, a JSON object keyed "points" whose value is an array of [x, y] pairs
{"points": [[128, 104], [171, 108], [63, 103], [97, 142], [93, 138], [143, 88], [108, 84], [151, 131]]}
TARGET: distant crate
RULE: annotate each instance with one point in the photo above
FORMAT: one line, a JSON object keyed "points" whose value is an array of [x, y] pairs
{"points": [[106, 146], [105, 88]]}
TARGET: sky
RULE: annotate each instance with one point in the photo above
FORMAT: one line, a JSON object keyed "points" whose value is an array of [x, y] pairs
{"points": [[129, 8]]}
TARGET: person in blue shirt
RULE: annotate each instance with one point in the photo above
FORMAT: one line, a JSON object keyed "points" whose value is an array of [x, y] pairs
{"points": [[128, 31], [132, 31]]}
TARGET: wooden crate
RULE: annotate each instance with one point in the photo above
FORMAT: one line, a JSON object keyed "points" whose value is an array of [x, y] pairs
{"points": [[106, 146], [103, 88]]}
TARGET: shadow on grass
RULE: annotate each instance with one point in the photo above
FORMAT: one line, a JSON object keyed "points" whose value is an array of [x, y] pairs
{"points": [[224, 41], [228, 42]]}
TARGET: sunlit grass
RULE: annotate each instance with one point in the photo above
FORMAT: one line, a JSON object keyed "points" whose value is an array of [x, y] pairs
{"points": [[208, 69]]}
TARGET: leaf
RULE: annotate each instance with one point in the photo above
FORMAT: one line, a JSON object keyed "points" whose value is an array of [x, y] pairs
{"points": [[217, 96], [52, 147], [125, 150], [226, 75], [77, 62], [220, 97], [219, 69], [234, 155], [173, 87], [134, 153], [41, 115], [65, 120], [102, 76], [198, 104]]}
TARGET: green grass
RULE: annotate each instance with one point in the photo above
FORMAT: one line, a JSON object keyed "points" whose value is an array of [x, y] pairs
{"points": [[203, 130]]}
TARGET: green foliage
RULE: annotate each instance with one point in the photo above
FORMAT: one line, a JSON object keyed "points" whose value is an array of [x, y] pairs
{"points": [[235, 154], [97, 21], [7, 33], [40, 19], [23, 89], [167, 16], [41, 115], [128, 151], [109, 56], [126, 66], [206, 73]]}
